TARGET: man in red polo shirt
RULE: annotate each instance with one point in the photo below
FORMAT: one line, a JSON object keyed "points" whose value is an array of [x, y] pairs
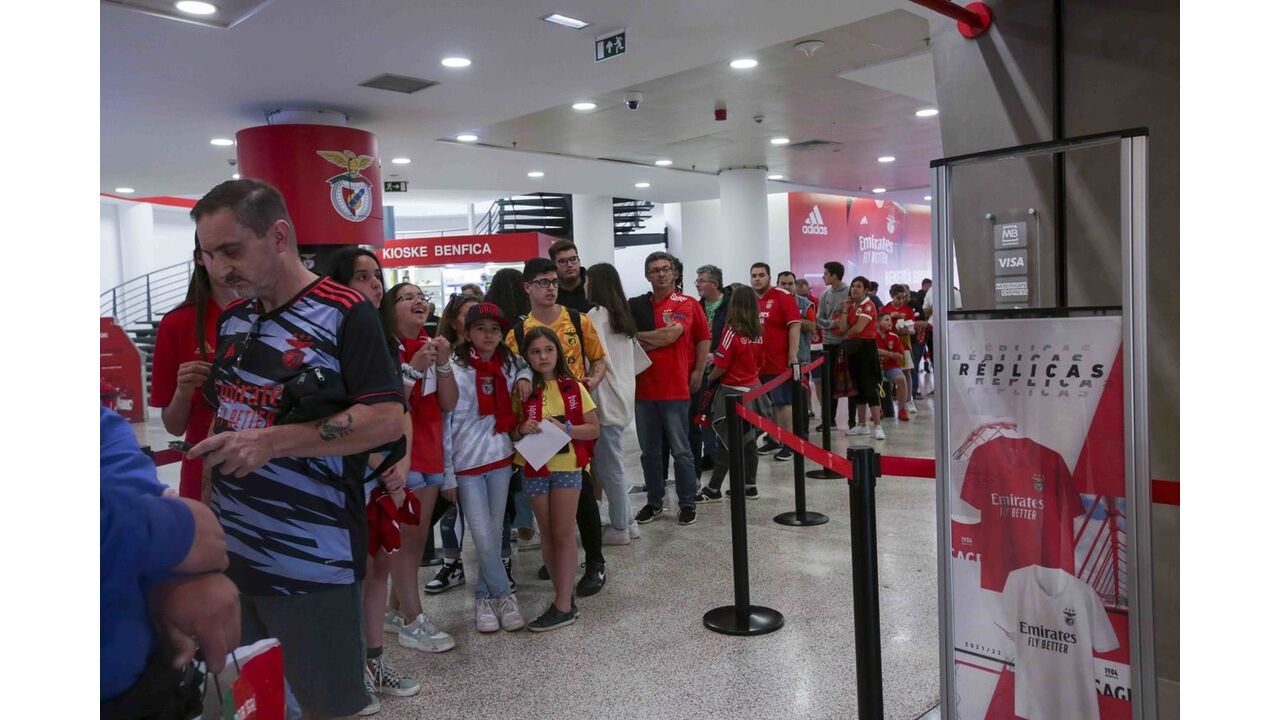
{"points": [[780, 320], [673, 331]]}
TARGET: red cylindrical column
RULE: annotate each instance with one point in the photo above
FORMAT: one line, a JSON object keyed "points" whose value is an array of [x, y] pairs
{"points": [[329, 176]]}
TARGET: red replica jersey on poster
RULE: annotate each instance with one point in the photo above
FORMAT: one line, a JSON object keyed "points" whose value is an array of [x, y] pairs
{"points": [[889, 343], [668, 377], [426, 452], [741, 357], [1027, 500], [866, 308], [176, 344], [778, 311]]}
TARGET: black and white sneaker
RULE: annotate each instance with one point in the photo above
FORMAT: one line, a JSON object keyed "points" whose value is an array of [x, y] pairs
{"points": [[647, 514], [553, 618], [751, 493], [783, 455], [707, 495], [687, 516], [506, 563], [769, 446], [593, 579], [451, 575]]}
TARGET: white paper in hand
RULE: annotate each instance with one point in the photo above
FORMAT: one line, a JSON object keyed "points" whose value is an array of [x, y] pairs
{"points": [[428, 382], [538, 449], [641, 357]]}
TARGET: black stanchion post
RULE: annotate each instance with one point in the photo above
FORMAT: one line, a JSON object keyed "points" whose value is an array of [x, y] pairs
{"points": [[827, 398], [740, 618], [799, 411], [866, 583]]}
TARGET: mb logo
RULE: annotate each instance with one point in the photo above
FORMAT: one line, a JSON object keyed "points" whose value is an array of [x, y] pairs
{"points": [[1009, 233], [813, 225]]}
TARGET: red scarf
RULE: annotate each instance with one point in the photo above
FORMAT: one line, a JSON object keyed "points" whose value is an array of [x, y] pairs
{"points": [[384, 519], [571, 394], [492, 395]]}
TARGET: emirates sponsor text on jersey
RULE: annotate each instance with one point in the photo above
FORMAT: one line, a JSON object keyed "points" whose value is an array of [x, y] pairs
{"points": [[1046, 638], [1017, 506]]}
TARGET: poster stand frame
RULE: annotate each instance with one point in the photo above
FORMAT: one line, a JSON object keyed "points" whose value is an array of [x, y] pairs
{"points": [[1134, 248]]}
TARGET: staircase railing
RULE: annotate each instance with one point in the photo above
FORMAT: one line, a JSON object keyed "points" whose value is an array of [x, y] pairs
{"points": [[148, 297]]}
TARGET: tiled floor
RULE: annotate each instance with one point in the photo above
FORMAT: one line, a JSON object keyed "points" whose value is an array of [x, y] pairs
{"points": [[640, 650]]}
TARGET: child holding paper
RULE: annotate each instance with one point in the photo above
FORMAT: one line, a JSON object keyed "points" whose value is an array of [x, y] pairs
{"points": [[553, 489]]}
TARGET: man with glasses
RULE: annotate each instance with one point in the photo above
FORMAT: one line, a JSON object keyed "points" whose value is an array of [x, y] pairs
{"points": [[568, 267], [674, 332], [584, 356], [714, 300]]}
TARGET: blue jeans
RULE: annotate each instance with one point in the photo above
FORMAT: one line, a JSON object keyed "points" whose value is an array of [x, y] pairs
{"points": [[484, 504], [607, 466], [453, 527], [669, 419]]}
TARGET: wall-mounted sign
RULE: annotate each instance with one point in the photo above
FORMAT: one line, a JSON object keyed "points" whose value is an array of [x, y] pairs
{"points": [[1011, 262], [395, 186], [463, 249], [1010, 235], [1012, 290], [611, 45]]}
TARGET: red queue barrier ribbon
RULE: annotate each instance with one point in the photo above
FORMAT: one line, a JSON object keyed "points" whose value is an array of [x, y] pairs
{"points": [[167, 456], [781, 378]]}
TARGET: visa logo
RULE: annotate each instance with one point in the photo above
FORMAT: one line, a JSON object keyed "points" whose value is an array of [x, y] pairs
{"points": [[1012, 262]]}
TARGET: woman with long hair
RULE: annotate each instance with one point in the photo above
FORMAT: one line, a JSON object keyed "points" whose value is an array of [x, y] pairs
{"points": [[181, 363], [614, 396], [358, 269], [552, 489], [736, 368]]}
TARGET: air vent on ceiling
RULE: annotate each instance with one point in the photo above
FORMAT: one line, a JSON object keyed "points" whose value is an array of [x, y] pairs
{"points": [[398, 83], [812, 144]]}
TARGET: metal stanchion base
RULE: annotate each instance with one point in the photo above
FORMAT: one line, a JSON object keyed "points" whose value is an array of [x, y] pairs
{"points": [[803, 519], [823, 474], [760, 621]]}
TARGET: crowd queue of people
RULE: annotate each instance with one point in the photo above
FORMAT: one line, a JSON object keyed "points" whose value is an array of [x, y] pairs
{"points": [[333, 423]]}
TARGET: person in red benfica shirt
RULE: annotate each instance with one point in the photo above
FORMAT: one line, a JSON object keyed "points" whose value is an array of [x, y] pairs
{"points": [[858, 325], [780, 319], [181, 363], [674, 332]]}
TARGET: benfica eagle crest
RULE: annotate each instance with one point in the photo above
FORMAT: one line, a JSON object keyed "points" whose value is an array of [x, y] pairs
{"points": [[350, 192]]}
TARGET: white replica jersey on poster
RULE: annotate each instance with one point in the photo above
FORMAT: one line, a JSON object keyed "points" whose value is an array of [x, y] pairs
{"points": [[1056, 622]]}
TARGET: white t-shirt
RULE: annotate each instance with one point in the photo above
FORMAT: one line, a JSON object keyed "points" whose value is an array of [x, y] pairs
{"points": [[615, 395], [1056, 622], [956, 303]]}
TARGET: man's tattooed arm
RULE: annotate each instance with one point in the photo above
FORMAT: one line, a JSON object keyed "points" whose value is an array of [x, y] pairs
{"points": [[338, 426]]}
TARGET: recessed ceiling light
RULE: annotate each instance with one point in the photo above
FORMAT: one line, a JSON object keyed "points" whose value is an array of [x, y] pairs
{"points": [[642, 184], [927, 112], [401, 161], [877, 190], [662, 163], [780, 140], [235, 176], [222, 142], [886, 158], [536, 174], [775, 177], [566, 21], [584, 106], [467, 137], [124, 191], [193, 7], [455, 62], [743, 63]]}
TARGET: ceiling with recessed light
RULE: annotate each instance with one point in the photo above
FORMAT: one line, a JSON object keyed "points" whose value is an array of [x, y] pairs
{"points": [[169, 87]]}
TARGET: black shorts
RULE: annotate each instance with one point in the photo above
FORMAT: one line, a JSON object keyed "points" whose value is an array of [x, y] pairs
{"points": [[321, 636], [863, 362]]}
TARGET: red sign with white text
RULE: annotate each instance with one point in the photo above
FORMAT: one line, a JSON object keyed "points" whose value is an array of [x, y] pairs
{"points": [[819, 234], [462, 249], [875, 238]]}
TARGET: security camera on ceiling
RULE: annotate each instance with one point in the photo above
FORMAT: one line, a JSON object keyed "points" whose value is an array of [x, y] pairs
{"points": [[632, 100]]}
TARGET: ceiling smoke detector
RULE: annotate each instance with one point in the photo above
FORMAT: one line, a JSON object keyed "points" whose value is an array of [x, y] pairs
{"points": [[809, 47]]}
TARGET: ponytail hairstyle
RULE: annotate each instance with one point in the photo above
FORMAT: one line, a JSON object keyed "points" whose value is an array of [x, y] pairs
{"points": [[744, 314]]}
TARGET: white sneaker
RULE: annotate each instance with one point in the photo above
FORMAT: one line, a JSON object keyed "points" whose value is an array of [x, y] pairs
{"points": [[486, 620], [509, 609], [856, 430], [532, 543], [392, 621], [634, 530], [911, 407], [613, 536], [374, 703], [422, 635], [879, 433]]}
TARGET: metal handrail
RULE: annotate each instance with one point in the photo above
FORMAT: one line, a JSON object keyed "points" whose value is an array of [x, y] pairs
{"points": [[148, 297]]}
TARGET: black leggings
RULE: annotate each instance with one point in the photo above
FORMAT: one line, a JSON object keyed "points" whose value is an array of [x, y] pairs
{"points": [[589, 521]]}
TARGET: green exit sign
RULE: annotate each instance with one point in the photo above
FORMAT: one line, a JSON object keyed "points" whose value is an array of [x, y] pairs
{"points": [[395, 186], [611, 45]]}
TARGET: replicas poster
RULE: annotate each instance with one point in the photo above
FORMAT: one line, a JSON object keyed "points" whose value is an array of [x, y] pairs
{"points": [[1039, 601]]}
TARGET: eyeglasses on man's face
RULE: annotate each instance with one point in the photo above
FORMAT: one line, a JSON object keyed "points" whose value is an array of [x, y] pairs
{"points": [[661, 270], [545, 283], [568, 261]]}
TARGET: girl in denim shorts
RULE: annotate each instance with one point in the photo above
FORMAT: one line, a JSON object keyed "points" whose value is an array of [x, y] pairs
{"points": [[553, 489]]}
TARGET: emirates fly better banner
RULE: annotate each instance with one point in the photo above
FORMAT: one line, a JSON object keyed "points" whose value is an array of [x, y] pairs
{"points": [[1040, 598]]}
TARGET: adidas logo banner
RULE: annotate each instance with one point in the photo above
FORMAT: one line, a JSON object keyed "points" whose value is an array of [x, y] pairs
{"points": [[813, 225]]}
